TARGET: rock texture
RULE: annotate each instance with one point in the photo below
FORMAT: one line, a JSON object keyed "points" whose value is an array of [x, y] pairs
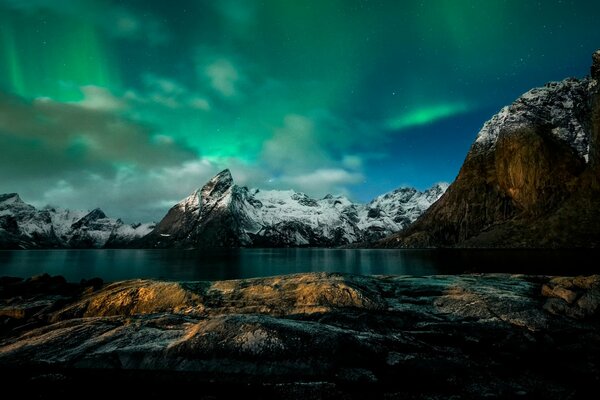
{"points": [[530, 178], [309, 335], [22, 226], [223, 214]]}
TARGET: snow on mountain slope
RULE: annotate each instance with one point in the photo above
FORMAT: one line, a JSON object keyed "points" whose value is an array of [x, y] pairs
{"points": [[222, 214], [530, 178], [19, 217], [272, 214], [24, 226], [562, 105], [62, 220], [394, 211], [133, 231]]}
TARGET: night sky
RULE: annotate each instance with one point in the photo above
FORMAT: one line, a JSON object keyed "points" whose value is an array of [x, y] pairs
{"points": [[131, 105]]}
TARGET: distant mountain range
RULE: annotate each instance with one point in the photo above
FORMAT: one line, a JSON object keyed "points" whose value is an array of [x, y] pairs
{"points": [[223, 214], [530, 179], [24, 226]]}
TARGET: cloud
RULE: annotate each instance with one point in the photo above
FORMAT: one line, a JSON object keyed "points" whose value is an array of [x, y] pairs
{"points": [[133, 194], [295, 146], [79, 136], [223, 77], [166, 92], [99, 98], [164, 85], [352, 161], [87, 154], [240, 12], [299, 156], [199, 103], [426, 115], [91, 154], [81, 157], [320, 139], [323, 181], [125, 24], [115, 20]]}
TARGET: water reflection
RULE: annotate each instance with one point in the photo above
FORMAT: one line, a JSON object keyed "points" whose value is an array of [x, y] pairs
{"points": [[245, 263]]}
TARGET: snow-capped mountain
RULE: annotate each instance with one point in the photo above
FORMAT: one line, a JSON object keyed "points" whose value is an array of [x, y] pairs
{"points": [[530, 179], [24, 226], [563, 106], [394, 211], [223, 214]]}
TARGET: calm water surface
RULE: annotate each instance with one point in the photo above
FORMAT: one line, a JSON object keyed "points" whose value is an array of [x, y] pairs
{"points": [[114, 265]]}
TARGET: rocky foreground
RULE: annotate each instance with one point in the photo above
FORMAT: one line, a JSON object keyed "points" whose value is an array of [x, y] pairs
{"points": [[304, 336]]}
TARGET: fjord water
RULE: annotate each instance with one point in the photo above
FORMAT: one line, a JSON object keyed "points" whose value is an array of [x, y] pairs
{"points": [[113, 265]]}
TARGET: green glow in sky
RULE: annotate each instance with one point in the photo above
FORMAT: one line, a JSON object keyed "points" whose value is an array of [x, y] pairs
{"points": [[55, 58], [426, 115], [160, 95]]}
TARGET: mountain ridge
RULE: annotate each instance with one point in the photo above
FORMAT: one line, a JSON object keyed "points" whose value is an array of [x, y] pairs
{"points": [[220, 214], [223, 214], [531, 178], [22, 226]]}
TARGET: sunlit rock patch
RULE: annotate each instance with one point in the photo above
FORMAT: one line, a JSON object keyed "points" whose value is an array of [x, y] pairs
{"points": [[498, 334]]}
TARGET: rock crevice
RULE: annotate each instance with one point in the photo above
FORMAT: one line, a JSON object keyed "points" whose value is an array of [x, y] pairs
{"points": [[465, 334]]}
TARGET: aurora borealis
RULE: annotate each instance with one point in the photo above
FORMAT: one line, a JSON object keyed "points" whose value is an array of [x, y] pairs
{"points": [[131, 105]]}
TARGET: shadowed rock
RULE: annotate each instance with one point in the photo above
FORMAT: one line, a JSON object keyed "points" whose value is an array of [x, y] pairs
{"points": [[530, 179], [396, 335], [577, 297]]}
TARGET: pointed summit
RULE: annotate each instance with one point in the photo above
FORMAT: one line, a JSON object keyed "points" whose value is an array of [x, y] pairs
{"points": [[223, 176], [218, 185], [10, 198], [439, 187], [92, 216], [223, 214]]}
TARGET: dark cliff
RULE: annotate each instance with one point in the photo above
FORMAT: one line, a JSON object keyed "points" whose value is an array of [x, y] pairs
{"points": [[531, 178]]}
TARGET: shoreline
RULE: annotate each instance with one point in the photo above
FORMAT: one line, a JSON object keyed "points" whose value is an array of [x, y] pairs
{"points": [[317, 334]]}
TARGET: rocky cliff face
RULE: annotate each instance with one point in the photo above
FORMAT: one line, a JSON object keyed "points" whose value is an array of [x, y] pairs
{"points": [[304, 336], [24, 226], [222, 214], [530, 178]]}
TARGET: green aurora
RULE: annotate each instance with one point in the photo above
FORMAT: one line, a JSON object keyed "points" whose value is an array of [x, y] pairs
{"points": [[106, 102]]}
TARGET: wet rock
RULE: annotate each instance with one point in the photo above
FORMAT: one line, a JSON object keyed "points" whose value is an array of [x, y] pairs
{"points": [[577, 297], [130, 298], [559, 292], [321, 334]]}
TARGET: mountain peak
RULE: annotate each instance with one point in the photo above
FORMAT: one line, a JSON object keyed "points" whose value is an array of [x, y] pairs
{"points": [[443, 186], [222, 176], [49, 227], [92, 216], [563, 105], [96, 213], [10, 198], [527, 180], [218, 185], [226, 215]]}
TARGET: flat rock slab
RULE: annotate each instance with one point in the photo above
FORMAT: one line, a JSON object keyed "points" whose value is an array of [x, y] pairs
{"points": [[308, 335]]}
